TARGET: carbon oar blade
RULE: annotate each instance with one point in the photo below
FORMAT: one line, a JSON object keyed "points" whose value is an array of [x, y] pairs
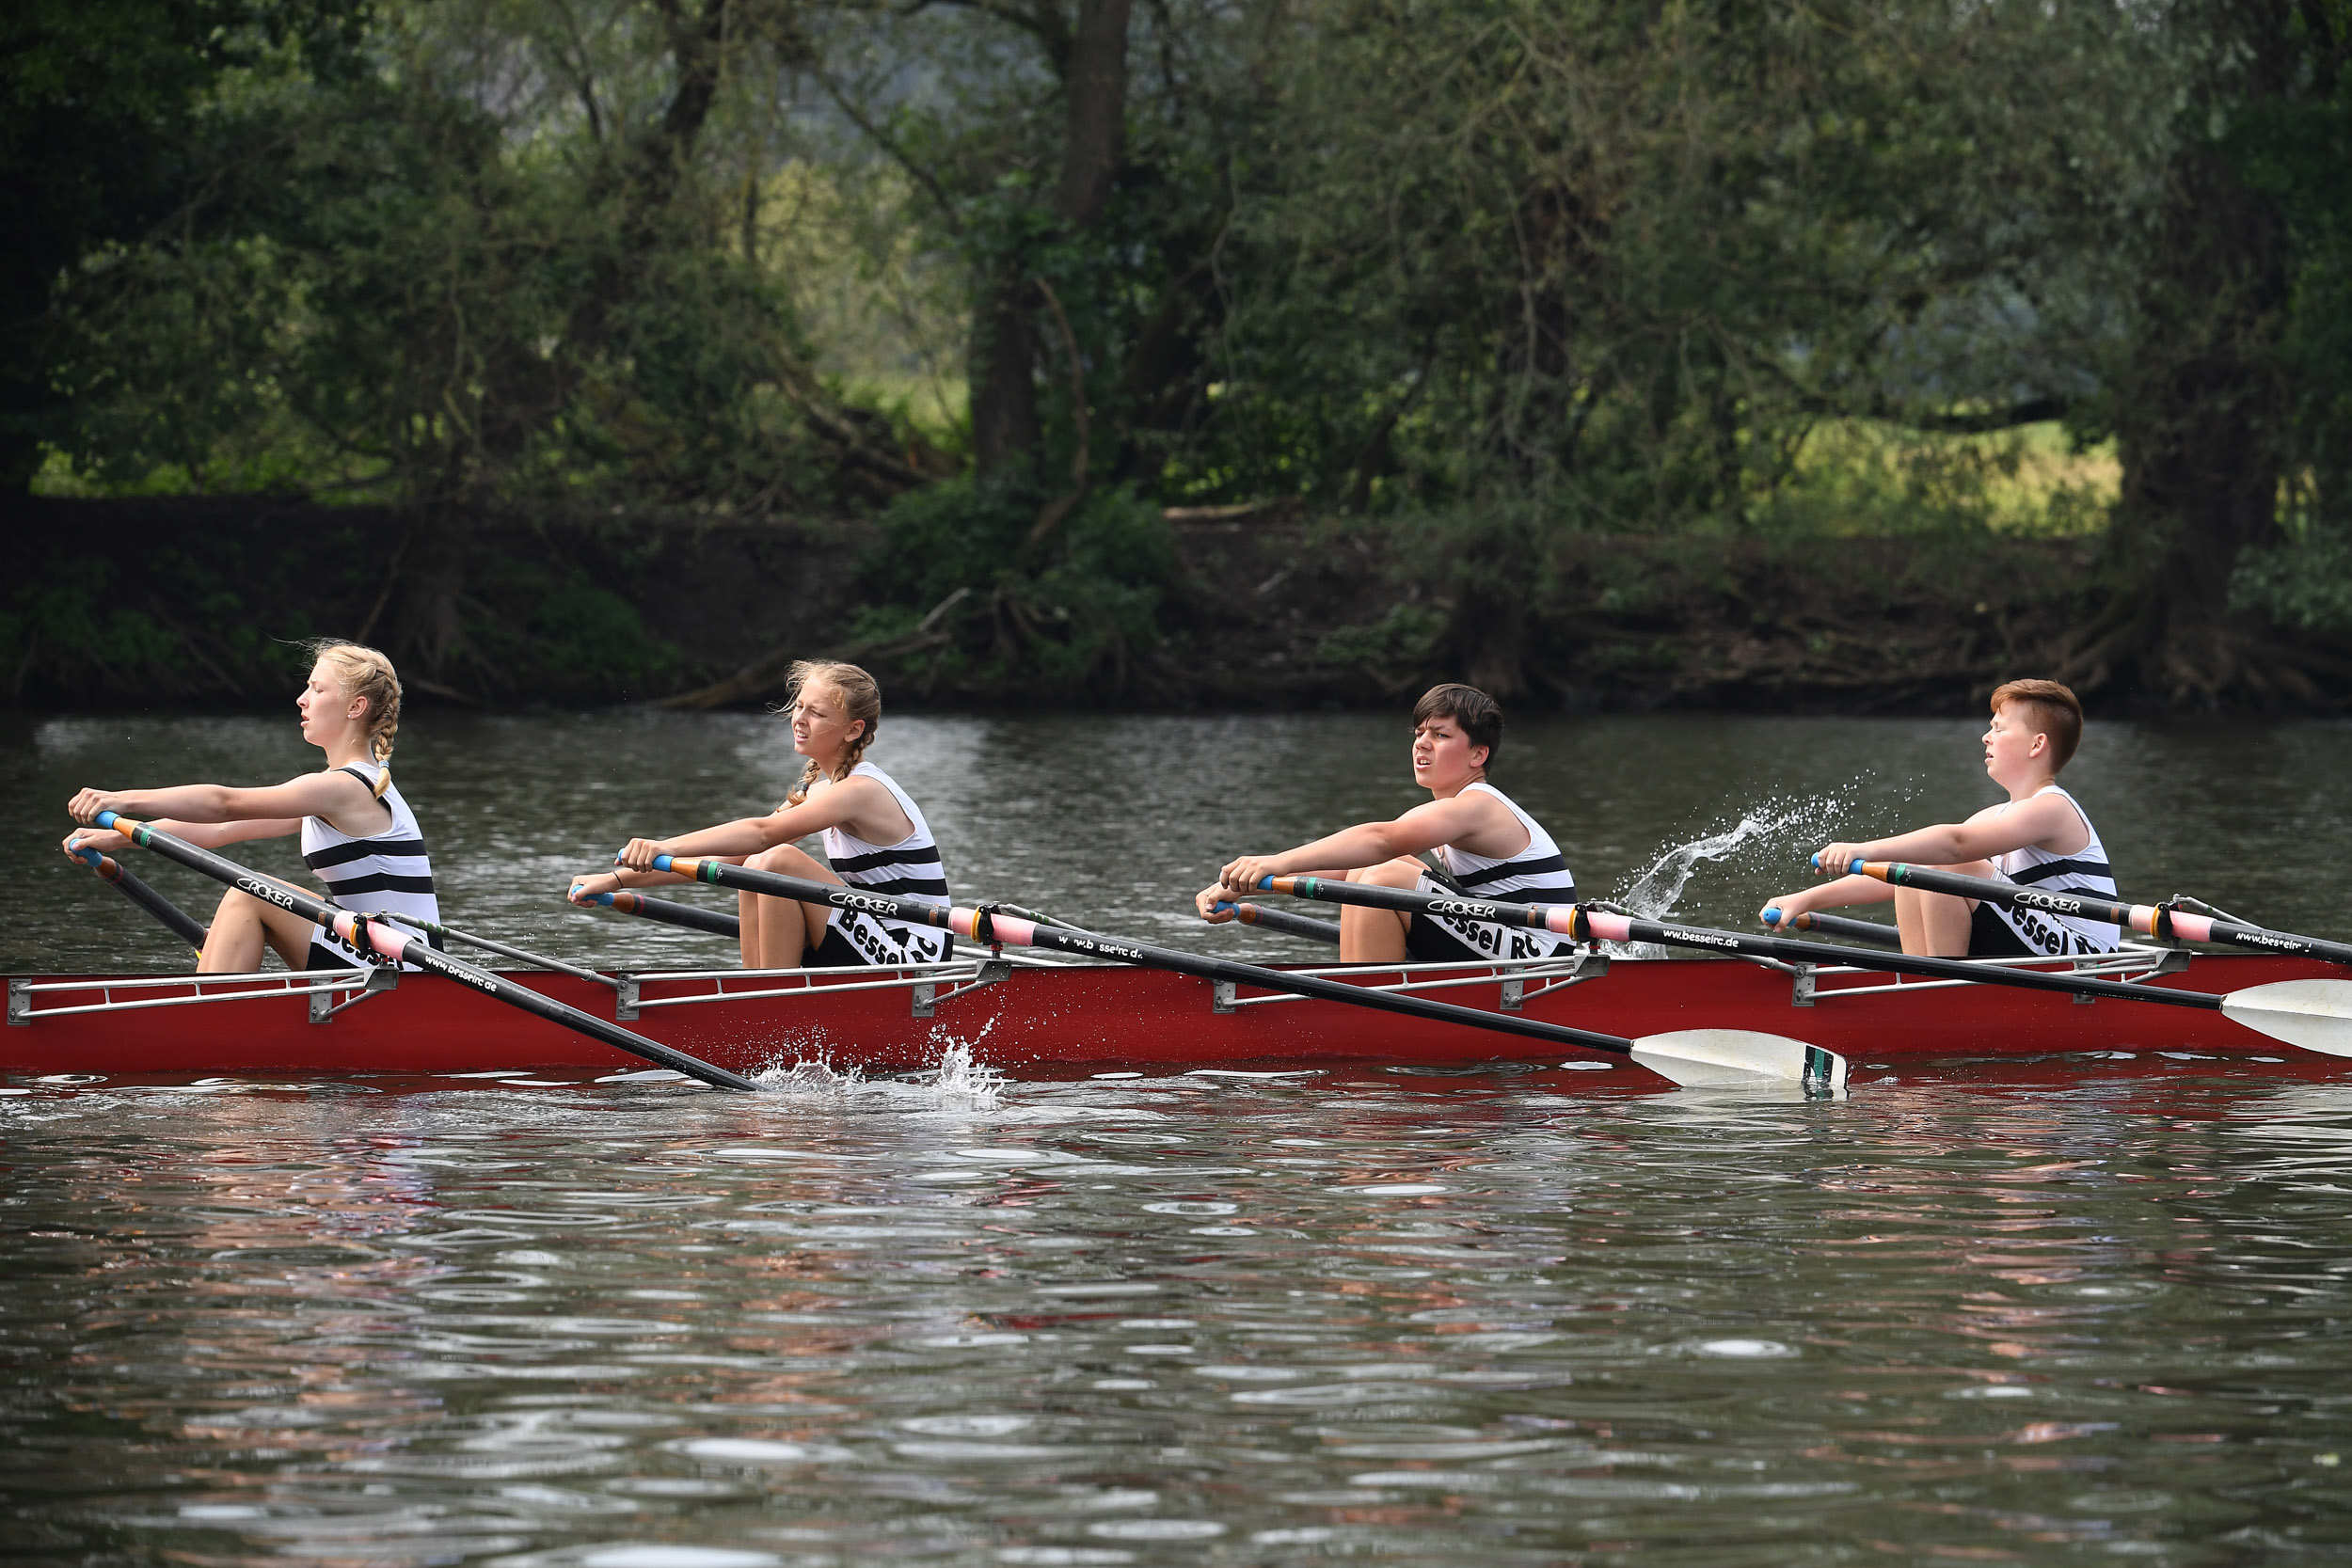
{"points": [[2314, 1014], [1730, 1058]]}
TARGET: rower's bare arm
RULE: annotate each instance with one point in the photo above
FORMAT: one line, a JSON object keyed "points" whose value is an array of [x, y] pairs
{"points": [[1828, 895], [2046, 821], [205, 835], [334, 795], [586, 886], [853, 804]]}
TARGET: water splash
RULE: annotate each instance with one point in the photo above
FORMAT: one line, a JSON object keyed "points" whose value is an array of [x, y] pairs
{"points": [[1789, 825], [958, 1083]]}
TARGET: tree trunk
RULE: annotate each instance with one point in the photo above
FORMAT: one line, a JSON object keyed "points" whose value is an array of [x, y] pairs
{"points": [[1004, 391], [2202, 407], [1003, 369]]}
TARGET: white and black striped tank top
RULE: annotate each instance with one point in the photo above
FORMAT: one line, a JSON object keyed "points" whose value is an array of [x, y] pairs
{"points": [[1537, 875], [2084, 871], [388, 872], [910, 868]]}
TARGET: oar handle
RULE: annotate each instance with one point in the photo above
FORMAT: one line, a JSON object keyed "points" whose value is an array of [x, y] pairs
{"points": [[669, 912], [1609, 927], [123, 881], [397, 946], [2153, 920], [1277, 920], [1835, 925]]}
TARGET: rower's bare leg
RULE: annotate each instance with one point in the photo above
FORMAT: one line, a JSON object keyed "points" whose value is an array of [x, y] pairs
{"points": [[777, 932], [1377, 936], [241, 925], [1935, 924]]}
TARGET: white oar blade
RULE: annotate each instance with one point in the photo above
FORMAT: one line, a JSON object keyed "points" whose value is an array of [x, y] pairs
{"points": [[2314, 1014], [1730, 1058]]}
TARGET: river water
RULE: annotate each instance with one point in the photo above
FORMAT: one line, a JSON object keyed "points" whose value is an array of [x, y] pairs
{"points": [[2067, 1315]]}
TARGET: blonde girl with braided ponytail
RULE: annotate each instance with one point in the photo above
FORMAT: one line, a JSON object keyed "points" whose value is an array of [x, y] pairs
{"points": [[874, 835], [359, 836]]}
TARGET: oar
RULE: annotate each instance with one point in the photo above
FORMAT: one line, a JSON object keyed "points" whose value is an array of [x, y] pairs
{"points": [[1277, 920], [521, 955], [1837, 926], [2152, 920], [2314, 1014], [397, 946], [669, 912], [177, 920], [1690, 1056]]}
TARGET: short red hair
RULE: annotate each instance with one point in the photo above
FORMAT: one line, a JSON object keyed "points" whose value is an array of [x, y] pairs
{"points": [[2057, 713]]}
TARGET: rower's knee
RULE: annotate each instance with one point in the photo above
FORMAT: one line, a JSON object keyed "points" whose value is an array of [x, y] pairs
{"points": [[791, 860], [1401, 872]]}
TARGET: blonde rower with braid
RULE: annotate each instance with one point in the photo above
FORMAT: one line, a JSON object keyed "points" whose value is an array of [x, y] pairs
{"points": [[874, 836], [358, 835]]}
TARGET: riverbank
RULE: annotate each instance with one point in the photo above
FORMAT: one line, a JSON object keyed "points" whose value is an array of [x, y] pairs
{"points": [[200, 601]]}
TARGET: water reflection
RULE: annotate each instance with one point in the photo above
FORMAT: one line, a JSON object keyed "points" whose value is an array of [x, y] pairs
{"points": [[1162, 1318]]}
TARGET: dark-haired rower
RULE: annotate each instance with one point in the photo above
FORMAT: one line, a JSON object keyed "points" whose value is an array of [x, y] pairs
{"points": [[1484, 842]]}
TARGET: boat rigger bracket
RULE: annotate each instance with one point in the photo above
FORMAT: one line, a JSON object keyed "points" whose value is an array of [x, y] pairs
{"points": [[928, 996], [381, 978]]}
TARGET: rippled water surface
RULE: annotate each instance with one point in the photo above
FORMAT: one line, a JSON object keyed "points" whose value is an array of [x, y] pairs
{"points": [[1371, 1316]]}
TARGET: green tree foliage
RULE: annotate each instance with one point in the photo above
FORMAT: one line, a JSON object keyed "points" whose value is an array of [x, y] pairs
{"points": [[1494, 271]]}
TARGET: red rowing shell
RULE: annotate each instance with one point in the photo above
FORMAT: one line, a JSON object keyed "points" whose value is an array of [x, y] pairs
{"points": [[1052, 1022]]}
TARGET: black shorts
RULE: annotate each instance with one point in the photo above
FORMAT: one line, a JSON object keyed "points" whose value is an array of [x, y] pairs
{"points": [[1990, 937], [1428, 942], [872, 945]]}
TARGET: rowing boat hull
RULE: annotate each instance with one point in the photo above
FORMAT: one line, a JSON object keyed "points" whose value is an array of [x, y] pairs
{"points": [[1059, 1020]]}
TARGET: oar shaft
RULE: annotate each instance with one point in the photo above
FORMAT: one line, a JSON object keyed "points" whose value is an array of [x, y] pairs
{"points": [[520, 955], [2153, 920], [1845, 929], [397, 946], [979, 926], [1289, 924], [175, 919], [669, 912], [1618, 927], [1587, 924]]}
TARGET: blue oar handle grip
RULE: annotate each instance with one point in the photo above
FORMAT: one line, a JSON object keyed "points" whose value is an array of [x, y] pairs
{"points": [[660, 863], [89, 857], [1856, 866], [106, 819], [1772, 914], [1265, 884]]}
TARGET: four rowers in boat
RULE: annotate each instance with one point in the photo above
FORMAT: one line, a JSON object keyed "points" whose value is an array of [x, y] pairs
{"points": [[1484, 844], [357, 834], [874, 835], [2040, 837]]}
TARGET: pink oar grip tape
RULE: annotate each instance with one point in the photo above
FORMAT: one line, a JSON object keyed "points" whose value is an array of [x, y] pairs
{"points": [[1609, 927], [1561, 919], [1020, 933], [388, 941], [2192, 927]]}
